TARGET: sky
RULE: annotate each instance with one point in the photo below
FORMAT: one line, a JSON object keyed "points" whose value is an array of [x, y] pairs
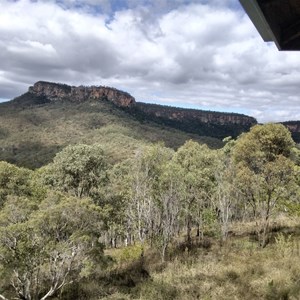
{"points": [[203, 54]]}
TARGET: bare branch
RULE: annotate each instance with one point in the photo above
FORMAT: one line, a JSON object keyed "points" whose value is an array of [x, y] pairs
{"points": [[2, 297]]}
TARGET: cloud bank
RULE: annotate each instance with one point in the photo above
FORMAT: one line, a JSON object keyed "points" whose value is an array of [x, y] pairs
{"points": [[201, 54]]}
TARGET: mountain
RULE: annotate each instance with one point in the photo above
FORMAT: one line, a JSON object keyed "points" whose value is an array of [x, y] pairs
{"points": [[50, 116], [214, 124], [294, 127]]}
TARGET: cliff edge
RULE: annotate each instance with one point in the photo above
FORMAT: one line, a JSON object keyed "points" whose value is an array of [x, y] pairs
{"points": [[54, 92]]}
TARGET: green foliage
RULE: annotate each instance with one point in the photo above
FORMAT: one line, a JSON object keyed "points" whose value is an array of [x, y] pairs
{"points": [[265, 173], [78, 170], [130, 254], [56, 245], [35, 133], [263, 144], [197, 163], [13, 181], [55, 221]]}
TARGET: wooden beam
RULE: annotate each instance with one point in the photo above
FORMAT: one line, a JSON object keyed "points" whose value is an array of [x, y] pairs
{"points": [[259, 20]]}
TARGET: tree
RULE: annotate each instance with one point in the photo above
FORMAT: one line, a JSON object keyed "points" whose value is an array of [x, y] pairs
{"points": [[78, 170], [265, 171], [114, 202], [54, 247], [147, 167], [197, 163], [226, 191], [263, 144], [13, 181], [168, 205]]}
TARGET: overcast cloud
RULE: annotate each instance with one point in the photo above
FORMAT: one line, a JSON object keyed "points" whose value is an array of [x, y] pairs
{"points": [[201, 54]]}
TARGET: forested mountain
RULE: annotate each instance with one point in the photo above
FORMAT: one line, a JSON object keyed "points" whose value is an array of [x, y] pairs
{"points": [[294, 128], [50, 116]]}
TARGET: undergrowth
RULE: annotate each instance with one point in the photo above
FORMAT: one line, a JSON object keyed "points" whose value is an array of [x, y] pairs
{"points": [[238, 269]]}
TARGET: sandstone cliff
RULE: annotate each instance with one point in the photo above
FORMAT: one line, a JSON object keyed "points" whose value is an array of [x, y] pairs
{"points": [[195, 115], [294, 128], [58, 92], [204, 123]]}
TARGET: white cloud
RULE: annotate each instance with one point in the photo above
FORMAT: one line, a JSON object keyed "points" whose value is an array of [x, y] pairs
{"points": [[205, 54]]}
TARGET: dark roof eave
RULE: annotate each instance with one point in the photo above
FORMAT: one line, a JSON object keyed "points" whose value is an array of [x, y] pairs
{"points": [[258, 19]]}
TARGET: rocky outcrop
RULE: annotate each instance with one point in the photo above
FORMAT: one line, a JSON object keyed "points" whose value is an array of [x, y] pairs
{"points": [[294, 128], [195, 115], [200, 122], [57, 92]]}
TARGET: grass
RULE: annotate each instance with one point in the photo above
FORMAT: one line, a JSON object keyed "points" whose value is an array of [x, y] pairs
{"points": [[238, 269]]}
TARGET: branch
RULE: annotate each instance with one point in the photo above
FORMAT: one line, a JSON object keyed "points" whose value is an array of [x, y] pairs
{"points": [[2, 297], [50, 293]]}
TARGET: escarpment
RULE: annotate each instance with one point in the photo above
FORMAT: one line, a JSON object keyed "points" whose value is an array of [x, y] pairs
{"points": [[195, 115], [54, 92], [200, 122]]}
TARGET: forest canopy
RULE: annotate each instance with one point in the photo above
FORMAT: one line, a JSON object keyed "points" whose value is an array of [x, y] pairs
{"points": [[56, 221]]}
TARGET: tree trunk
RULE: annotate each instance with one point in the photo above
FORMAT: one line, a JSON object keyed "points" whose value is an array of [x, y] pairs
{"points": [[163, 252], [264, 234], [188, 232]]}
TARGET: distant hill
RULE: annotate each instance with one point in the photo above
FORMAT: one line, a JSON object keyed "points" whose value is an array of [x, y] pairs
{"points": [[294, 127], [205, 123], [50, 116]]}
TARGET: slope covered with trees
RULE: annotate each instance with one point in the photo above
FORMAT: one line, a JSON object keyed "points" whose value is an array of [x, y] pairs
{"points": [[87, 227], [31, 134], [51, 116]]}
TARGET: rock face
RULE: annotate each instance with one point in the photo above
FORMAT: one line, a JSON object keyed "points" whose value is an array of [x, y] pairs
{"points": [[294, 128], [200, 122], [57, 92], [195, 115]]}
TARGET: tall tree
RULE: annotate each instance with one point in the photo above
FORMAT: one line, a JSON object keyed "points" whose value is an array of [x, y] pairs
{"points": [[226, 192], [265, 171], [168, 205], [147, 167], [198, 170]]}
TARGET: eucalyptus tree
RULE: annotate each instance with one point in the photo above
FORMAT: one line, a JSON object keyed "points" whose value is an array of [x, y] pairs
{"points": [[168, 205], [197, 163], [114, 202], [226, 192], [146, 169], [265, 171], [13, 181], [53, 246], [78, 170]]}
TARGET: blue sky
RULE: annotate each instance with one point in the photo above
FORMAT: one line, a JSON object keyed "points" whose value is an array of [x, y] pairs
{"points": [[203, 54]]}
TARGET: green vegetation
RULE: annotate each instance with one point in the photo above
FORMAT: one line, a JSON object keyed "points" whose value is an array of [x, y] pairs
{"points": [[158, 223], [32, 131]]}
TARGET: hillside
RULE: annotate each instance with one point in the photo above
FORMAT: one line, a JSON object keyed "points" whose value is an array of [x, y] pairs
{"points": [[294, 128], [50, 116], [205, 123]]}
